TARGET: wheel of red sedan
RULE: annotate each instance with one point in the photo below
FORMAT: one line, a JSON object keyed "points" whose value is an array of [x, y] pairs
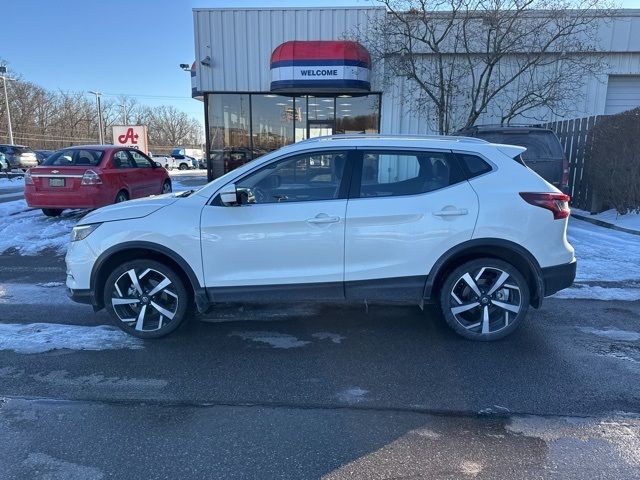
{"points": [[484, 299], [166, 187], [146, 298], [121, 197]]}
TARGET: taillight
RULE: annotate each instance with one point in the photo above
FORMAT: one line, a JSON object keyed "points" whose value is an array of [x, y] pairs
{"points": [[558, 203], [90, 178], [28, 179], [565, 173]]}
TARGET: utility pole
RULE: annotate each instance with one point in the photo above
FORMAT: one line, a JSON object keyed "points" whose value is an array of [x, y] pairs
{"points": [[3, 71], [124, 113], [97, 94]]}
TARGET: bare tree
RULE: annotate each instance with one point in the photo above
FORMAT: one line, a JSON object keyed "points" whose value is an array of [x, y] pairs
{"points": [[460, 59], [52, 120]]}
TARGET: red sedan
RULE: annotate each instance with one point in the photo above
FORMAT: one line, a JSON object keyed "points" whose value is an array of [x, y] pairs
{"points": [[93, 176]]}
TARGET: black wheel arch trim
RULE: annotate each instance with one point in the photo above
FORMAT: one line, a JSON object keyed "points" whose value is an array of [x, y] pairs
{"points": [[200, 294], [490, 244]]}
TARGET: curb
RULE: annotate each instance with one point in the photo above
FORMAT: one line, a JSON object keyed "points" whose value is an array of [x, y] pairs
{"points": [[600, 223]]}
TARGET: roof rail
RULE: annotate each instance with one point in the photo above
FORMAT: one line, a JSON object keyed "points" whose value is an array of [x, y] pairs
{"points": [[347, 136]]}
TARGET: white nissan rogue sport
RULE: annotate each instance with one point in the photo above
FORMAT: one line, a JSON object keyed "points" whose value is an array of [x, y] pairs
{"points": [[452, 220]]}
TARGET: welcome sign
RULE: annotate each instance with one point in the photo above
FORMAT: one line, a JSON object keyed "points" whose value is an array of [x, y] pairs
{"points": [[320, 66]]}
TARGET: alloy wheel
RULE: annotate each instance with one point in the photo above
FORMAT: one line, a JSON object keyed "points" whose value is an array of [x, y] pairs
{"points": [[485, 300], [144, 299], [166, 187]]}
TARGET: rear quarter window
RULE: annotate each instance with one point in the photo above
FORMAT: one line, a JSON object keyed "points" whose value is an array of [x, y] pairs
{"points": [[474, 164]]}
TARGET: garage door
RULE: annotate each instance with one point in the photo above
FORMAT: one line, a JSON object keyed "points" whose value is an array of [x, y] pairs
{"points": [[623, 93]]}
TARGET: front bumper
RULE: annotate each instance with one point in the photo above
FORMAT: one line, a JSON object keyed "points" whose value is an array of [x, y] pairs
{"points": [[558, 277], [81, 296]]}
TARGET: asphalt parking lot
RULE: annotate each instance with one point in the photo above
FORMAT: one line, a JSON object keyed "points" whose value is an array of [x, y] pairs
{"points": [[305, 391]]}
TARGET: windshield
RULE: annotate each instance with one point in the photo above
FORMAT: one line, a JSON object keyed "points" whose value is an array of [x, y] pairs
{"points": [[75, 157], [540, 145]]}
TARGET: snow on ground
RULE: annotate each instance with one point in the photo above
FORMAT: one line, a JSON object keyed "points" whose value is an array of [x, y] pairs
{"points": [[604, 254], [273, 339], [51, 293], [44, 337], [187, 173], [629, 220], [11, 183], [608, 263], [30, 231]]}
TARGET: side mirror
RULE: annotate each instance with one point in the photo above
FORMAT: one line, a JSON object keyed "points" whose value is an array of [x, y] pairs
{"points": [[155, 164], [229, 195]]}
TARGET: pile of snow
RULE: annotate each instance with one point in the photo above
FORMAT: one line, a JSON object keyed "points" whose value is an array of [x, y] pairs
{"points": [[44, 337], [629, 220], [30, 231]]}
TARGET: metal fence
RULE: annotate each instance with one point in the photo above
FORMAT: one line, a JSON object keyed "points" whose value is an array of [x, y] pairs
{"points": [[573, 135]]}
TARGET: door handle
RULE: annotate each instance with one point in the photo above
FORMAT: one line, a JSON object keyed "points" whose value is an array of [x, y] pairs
{"points": [[323, 218], [451, 213]]}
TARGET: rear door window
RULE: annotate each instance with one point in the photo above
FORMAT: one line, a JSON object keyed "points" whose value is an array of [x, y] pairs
{"points": [[121, 159], [397, 173], [140, 160]]}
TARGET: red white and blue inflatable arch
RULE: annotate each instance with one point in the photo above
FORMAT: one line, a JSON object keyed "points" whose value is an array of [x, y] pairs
{"points": [[320, 66]]}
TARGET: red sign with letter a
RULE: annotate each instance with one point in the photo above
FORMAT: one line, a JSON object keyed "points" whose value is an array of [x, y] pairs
{"points": [[131, 136]]}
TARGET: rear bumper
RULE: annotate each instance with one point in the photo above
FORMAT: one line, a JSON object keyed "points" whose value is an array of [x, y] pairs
{"points": [[89, 197], [558, 277]]}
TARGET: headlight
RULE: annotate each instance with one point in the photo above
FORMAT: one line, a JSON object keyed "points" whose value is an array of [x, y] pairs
{"points": [[83, 231]]}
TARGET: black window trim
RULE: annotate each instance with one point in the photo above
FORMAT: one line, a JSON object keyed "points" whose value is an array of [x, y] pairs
{"points": [[345, 182], [354, 191]]}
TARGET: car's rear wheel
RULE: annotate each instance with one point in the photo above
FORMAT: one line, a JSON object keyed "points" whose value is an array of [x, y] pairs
{"points": [[183, 166], [146, 298], [484, 299], [122, 196], [166, 187], [52, 212]]}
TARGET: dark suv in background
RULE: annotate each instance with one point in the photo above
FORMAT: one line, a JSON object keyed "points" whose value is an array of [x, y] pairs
{"points": [[19, 156], [544, 153]]}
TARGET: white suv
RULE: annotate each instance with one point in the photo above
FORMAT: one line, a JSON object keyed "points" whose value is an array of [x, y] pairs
{"points": [[453, 220]]}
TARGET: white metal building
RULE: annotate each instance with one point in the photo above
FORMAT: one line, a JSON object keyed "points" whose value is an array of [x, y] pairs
{"points": [[270, 77]]}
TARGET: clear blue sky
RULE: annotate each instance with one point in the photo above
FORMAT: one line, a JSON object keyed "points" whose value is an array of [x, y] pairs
{"points": [[117, 46]]}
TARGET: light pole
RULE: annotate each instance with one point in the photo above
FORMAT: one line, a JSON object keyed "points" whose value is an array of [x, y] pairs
{"points": [[3, 71], [97, 94]]}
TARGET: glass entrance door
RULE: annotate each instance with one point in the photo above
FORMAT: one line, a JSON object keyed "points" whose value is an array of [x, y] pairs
{"points": [[319, 128]]}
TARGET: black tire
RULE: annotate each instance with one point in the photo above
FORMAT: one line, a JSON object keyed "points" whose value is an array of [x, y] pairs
{"points": [[166, 187], [52, 212], [183, 166], [174, 299], [498, 310], [122, 196]]}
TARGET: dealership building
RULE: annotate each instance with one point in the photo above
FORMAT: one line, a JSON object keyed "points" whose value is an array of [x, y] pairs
{"points": [[270, 77]]}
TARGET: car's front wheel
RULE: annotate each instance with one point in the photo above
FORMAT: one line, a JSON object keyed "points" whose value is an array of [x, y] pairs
{"points": [[146, 298], [484, 299], [166, 187]]}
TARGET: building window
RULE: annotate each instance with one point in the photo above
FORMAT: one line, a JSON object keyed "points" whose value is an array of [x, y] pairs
{"points": [[357, 114], [271, 122], [244, 126], [229, 128]]}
